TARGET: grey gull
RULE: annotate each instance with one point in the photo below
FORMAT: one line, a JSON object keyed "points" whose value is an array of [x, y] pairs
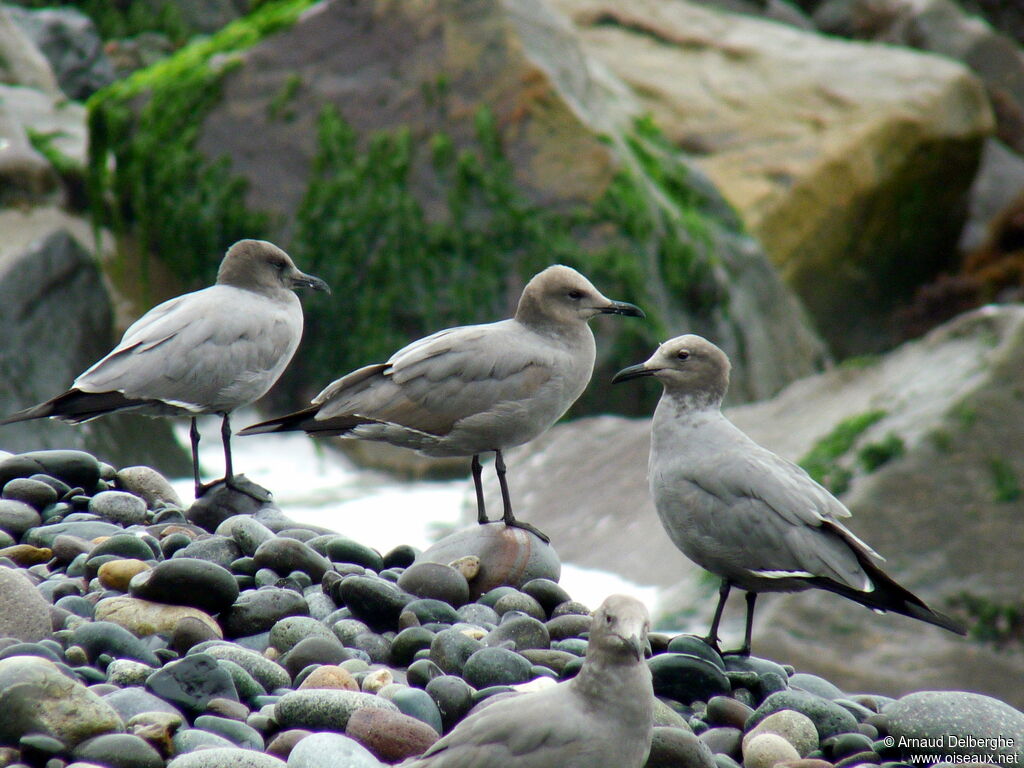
{"points": [[468, 390], [209, 351], [756, 520]]}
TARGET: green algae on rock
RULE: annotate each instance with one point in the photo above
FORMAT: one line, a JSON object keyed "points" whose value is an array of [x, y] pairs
{"points": [[474, 162]]}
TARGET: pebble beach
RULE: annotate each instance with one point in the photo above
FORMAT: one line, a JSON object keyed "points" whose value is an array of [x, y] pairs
{"points": [[136, 632]]}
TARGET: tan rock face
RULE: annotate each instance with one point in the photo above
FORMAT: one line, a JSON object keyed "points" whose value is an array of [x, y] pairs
{"points": [[944, 508], [849, 161]]}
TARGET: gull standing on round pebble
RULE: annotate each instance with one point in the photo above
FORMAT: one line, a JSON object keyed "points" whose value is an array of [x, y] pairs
{"points": [[472, 389], [602, 718], [209, 351], [743, 513]]}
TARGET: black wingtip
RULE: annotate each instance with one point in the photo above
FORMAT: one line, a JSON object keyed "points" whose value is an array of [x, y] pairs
{"points": [[75, 406], [924, 613], [300, 421], [888, 595]]}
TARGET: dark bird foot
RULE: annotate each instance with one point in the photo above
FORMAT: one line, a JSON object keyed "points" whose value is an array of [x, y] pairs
{"points": [[712, 642], [744, 651], [529, 529]]}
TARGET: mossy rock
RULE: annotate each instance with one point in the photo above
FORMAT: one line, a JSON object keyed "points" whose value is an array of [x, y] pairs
{"points": [[428, 189]]}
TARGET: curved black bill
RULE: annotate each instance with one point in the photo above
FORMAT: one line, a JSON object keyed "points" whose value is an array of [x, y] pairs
{"points": [[622, 308], [633, 372], [302, 280]]}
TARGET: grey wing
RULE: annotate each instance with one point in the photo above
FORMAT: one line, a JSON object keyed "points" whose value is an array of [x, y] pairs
{"points": [[774, 519], [435, 382], [210, 350], [528, 731], [794, 495]]}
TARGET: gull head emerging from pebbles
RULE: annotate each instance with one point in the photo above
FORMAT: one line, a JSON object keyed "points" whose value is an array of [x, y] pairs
{"points": [[602, 718]]}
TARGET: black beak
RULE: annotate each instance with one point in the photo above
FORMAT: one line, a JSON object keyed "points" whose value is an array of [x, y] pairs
{"points": [[302, 280], [633, 372], [622, 308]]}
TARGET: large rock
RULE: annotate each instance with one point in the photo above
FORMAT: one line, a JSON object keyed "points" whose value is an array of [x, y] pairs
{"points": [[557, 163], [21, 63], [27, 177], [946, 28], [822, 145], [69, 41], [56, 322], [935, 481], [37, 698]]}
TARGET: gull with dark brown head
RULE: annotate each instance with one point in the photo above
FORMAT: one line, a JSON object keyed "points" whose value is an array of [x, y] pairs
{"points": [[754, 519], [472, 389], [206, 352]]}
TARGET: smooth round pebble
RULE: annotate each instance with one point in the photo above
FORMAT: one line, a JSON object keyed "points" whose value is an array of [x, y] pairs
{"points": [[828, 717], [16, 516], [188, 581], [521, 603], [794, 727], [284, 742], [148, 484], [221, 757], [390, 736], [329, 750], [118, 750], [508, 556], [35, 493], [496, 666], [322, 709], [767, 749], [266, 672], [330, 676], [256, 611], [119, 507], [686, 678], [37, 697], [437, 581], [374, 601], [192, 681], [117, 574], [942, 714], [674, 747]]}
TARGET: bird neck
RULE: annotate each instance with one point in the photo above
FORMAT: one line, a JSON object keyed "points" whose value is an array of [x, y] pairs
{"points": [[622, 685], [676, 403], [573, 335]]}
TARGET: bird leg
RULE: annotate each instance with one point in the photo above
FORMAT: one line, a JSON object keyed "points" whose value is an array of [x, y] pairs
{"points": [[193, 434], [507, 517], [723, 595], [253, 491], [225, 438], [477, 468], [744, 650]]}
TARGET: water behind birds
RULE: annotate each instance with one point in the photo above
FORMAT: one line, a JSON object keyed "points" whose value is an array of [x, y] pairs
{"points": [[315, 484]]}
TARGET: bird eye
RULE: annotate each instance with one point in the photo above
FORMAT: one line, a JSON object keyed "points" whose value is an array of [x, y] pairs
{"points": [[608, 619], [682, 354], [575, 295]]}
